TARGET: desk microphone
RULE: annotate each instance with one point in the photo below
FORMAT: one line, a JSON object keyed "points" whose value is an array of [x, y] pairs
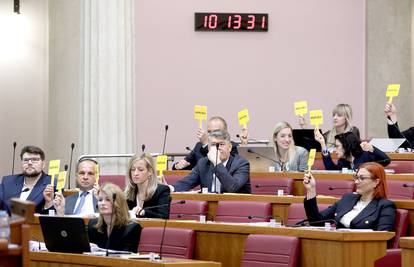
{"points": [[142, 212], [260, 155], [111, 226], [14, 156], [189, 149], [267, 218], [25, 190], [269, 185], [336, 188], [306, 222], [408, 185], [165, 139], [215, 170], [251, 139], [143, 148], [72, 146]]}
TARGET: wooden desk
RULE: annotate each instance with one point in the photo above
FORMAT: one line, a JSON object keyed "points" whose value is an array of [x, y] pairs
{"points": [[280, 205], [407, 245], [298, 188], [225, 243], [52, 259]]}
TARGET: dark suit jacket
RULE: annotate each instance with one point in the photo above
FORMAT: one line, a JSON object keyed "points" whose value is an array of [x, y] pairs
{"points": [[394, 132], [234, 178], [12, 186], [379, 215], [161, 197], [124, 238], [70, 203], [200, 152], [376, 156]]}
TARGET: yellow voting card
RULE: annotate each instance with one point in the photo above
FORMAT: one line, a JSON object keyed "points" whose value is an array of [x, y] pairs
{"points": [[200, 113], [54, 167], [97, 175], [301, 108], [243, 116], [392, 91], [311, 158], [61, 180], [316, 117], [161, 163]]}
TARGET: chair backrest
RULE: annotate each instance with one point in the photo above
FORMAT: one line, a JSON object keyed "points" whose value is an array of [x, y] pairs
{"points": [[401, 166], [269, 186], [401, 227], [336, 188], [318, 165], [397, 190], [243, 211], [190, 210], [271, 250], [178, 242], [296, 212], [119, 180]]}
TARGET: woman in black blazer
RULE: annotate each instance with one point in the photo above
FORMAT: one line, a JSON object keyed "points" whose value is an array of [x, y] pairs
{"points": [[114, 223], [146, 197], [367, 208], [351, 152]]}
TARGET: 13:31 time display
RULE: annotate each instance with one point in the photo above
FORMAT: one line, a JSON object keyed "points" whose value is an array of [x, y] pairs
{"points": [[250, 22]]}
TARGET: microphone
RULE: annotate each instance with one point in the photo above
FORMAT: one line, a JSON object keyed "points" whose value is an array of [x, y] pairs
{"points": [[269, 185], [165, 139], [72, 146], [111, 226], [260, 155], [303, 222], [250, 139], [335, 188], [268, 217], [181, 215], [143, 148], [66, 167], [14, 156], [141, 213], [215, 171], [408, 185], [401, 133], [189, 149], [25, 190]]}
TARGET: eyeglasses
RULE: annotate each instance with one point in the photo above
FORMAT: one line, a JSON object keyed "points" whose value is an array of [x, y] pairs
{"points": [[361, 177], [33, 160]]}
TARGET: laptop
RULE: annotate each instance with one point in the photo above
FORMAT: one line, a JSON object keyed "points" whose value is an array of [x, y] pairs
{"points": [[387, 144], [306, 139], [259, 157], [65, 234]]}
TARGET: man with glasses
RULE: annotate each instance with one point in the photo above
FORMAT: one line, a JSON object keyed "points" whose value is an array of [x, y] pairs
{"points": [[200, 150], [220, 171], [84, 202], [28, 185]]}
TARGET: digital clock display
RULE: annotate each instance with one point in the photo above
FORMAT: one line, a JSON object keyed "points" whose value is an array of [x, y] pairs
{"points": [[246, 22]]}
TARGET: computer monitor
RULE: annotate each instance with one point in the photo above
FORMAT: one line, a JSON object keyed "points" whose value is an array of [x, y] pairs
{"points": [[65, 234]]}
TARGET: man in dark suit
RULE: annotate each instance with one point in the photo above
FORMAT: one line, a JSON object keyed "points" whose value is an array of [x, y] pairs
{"points": [[232, 172], [200, 150], [28, 185], [81, 203]]}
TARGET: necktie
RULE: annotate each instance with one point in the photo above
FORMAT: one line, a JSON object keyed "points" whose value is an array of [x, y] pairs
{"points": [[81, 202]]}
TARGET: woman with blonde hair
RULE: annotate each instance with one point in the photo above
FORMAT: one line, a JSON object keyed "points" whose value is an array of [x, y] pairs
{"points": [[341, 120], [143, 191], [114, 228], [288, 156]]}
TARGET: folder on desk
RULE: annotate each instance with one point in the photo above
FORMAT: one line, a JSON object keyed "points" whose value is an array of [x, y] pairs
{"points": [[387, 144]]}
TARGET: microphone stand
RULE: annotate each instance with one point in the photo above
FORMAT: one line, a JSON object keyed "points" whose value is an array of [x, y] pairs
{"points": [[14, 156], [72, 146], [215, 171], [110, 226]]}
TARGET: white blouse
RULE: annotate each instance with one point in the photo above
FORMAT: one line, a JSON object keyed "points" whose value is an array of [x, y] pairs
{"points": [[349, 216]]}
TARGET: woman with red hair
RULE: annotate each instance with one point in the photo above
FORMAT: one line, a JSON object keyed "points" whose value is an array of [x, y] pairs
{"points": [[366, 208]]}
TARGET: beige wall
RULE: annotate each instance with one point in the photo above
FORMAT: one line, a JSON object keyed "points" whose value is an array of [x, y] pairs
{"points": [[23, 77], [314, 50]]}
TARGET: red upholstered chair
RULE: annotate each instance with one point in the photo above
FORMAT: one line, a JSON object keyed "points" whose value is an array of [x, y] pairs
{"points": [[190, 210], [178, 242], [119, 180], [393, 256], [269, 186], [318, 165], [401, 166], [296, 212], [243, 211], [336, 188], [271, 250], [397, 190]]}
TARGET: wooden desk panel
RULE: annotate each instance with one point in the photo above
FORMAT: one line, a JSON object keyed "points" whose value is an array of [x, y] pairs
{"points": [[52, 259], [225, 243], [407, 245]]}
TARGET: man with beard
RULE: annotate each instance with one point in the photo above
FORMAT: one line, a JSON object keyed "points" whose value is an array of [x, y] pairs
{"points": [[81, 203], [28, 185]]}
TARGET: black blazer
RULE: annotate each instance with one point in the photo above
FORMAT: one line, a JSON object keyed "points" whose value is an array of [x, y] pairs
{"points": [[394, 132], [124, 238], [379, 215], [234, 178], [376, 156], [200, 152], [161, 197]]}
